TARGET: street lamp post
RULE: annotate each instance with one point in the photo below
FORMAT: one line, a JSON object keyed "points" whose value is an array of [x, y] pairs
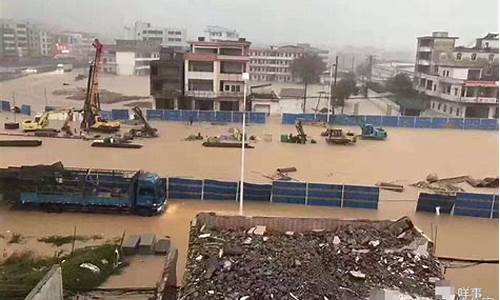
{"points": [[245, 77], [330, 96]]}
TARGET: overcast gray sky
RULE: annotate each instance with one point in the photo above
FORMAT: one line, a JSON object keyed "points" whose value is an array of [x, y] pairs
{"points": [[379, 23]]}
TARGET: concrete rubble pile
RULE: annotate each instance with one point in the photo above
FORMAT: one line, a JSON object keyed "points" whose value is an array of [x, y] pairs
{"points": [[346, 263]]}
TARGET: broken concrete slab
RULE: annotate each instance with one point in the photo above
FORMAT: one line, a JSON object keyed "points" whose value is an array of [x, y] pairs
{"points": [[259, 230], [131, 245], [146, 245], [162, 246]]}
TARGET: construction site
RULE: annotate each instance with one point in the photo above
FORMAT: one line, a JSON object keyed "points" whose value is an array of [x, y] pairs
{"points": [[72, 167]]}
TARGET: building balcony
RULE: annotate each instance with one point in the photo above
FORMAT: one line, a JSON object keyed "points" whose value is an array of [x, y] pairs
{"points": [[424, 49], [233, 58], [231, 94], [199, 75], [201, 94], [424, 62], [230, 77], [484, 100]]}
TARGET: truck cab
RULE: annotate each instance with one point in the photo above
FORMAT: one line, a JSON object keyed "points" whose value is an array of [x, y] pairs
{"points": [[150, 194]]}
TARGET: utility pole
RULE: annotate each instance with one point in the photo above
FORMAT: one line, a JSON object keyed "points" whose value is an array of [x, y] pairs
{"points": [[243, 131], [370, 64], [332, 88], [14, 104], [45, 94]]}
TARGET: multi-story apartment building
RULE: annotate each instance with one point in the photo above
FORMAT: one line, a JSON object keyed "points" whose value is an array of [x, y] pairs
{"points": [[74, 44], [14, 39], [167, 80], [130, 57], [218, 33], [273, 63], [166, 36], [24, 39], [461, 81], [213, 76]]}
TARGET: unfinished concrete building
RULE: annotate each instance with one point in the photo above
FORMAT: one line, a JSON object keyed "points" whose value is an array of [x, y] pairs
{"points": [[167, 80]]}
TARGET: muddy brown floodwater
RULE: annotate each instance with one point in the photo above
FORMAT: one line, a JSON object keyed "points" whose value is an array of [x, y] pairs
{"points": [[407, 156]]}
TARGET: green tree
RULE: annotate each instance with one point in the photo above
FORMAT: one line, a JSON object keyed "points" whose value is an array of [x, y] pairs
{"points": [[343, 90], [308, 67], [401, 84]]}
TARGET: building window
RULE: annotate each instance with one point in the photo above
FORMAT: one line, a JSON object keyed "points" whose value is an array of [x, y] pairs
{"points": [[491, 57], [433, 105], [444, 73], [226, 88], [439, 106], [457, 112], [459, 56], [237, 88], [456, 91], [434, 87], [447, 73], [444, 107], [451, 110], [473, 56]]}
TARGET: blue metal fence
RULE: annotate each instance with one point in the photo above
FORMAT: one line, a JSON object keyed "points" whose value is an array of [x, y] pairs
{"points": [[205, 116], [257, 192], [119, 114], [4, 105], [26, 110], [289, 192], [106, 115], [220, 190], [360, 196], [324, 194], [396, 121], [317, 194], [181, 188], [473, 205], [428, 203], [462, 204]]}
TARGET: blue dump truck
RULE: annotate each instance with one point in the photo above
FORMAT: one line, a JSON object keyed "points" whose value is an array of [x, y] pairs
{"points": [[58, 188]]}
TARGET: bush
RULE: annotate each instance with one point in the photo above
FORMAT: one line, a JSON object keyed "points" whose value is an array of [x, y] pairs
{"points": [[77, 278]]}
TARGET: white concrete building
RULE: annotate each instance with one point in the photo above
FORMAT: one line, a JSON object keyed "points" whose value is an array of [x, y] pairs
{"points": [[273, 63], [386, 71], [218, 33], [166, 36], [130, 57], [461, 81], [213, 74]]}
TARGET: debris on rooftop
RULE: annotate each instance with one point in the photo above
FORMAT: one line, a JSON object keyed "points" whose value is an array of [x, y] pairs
{"points": [[344, 260]]}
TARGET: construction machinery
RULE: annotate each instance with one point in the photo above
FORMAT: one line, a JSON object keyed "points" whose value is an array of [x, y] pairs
{"points": [[368, 131], [66, 128], [146, 131], [92, 120], [39, 122], [300, 138], [39, 125], [338, 137], [59, 188]]}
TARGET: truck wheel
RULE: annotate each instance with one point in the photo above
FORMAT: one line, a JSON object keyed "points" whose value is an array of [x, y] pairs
{"points": [[144, 212]]}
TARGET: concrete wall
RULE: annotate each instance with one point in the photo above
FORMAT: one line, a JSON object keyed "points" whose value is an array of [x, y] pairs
{"points": [[50, 287], [125, 62]]}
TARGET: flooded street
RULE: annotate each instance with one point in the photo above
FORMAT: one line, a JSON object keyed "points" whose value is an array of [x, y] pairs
{"points": [[408, 155]]}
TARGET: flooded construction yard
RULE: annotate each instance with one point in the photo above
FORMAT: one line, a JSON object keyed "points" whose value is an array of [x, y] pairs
{"points": [[406, 157]]}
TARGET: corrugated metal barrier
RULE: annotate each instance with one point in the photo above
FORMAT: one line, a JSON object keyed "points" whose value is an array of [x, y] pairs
{"points": [[462, 204], [316, 194], [205, 116], [397, 121], [26, 110], [119, 114], [4, 105]]}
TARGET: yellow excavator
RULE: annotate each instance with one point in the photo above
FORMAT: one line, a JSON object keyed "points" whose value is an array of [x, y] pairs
{"points": [[92, 119], [40, 122]]}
